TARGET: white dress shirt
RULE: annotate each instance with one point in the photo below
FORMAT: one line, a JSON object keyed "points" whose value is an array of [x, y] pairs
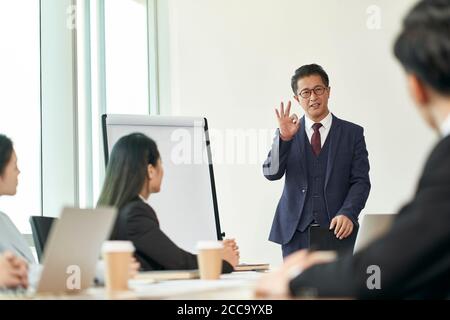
{"points": [[445, 127], [324, 129]]}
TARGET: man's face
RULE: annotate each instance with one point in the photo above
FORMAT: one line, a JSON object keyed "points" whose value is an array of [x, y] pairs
{"points": [[313, 95]]}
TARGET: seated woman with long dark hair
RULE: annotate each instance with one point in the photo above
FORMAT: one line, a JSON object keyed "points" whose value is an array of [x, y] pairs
{"points": [[134, 172]]}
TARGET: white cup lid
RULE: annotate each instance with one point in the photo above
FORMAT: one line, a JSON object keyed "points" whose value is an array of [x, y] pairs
{"points": [[117, 246], [209, 245]]}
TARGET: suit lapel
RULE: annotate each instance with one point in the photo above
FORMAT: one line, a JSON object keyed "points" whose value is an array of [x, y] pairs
{"points": [[335, 133], [300, 140]]}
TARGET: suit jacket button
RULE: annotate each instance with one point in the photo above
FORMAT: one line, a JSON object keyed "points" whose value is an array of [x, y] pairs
{"points": [[303, 190]]}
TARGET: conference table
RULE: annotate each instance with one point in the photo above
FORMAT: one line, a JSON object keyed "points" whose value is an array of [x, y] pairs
{"points": [[233, 286]]}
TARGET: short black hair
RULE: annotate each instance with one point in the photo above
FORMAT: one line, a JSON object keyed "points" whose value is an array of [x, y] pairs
{"points": [[423, 46], [6, 150], [306, 71]]}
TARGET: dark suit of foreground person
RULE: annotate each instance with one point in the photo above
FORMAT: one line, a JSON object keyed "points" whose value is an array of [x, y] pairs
{"points": [[413, 259], [325, 164], [134, 172]]}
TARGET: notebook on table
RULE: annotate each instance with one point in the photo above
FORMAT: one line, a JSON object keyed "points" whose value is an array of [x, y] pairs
{"points": [[162, 275], [252, 267]]}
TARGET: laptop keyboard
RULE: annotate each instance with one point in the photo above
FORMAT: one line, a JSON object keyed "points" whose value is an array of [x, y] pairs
{"points": [[14, 293]]}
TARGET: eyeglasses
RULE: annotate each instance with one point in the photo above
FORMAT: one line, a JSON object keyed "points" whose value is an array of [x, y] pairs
{"points": [[318, 91]]}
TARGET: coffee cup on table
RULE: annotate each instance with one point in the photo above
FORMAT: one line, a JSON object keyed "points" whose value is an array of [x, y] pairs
{"points": [[209, 259], [117, 256]]}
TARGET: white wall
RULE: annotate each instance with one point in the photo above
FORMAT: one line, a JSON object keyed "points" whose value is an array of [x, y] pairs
{"points": [[231, 61]]}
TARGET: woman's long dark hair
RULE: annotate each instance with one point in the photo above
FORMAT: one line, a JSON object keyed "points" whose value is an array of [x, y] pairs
{"points": [[6, 150], [127, 169]]}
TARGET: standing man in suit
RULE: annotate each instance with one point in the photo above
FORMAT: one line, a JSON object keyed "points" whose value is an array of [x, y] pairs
{"points": [[325, 163], [413, 257]]}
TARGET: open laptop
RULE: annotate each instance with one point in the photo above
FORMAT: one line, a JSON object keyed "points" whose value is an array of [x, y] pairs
{"points": [[371, 228], [73, 248]]}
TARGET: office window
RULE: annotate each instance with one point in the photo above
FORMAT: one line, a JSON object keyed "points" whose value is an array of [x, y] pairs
{"points": [[113, 77], [126, 60], [20, 103]]}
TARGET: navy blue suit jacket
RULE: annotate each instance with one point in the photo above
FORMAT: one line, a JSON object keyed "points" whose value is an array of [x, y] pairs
{"points": [[347, 182]]}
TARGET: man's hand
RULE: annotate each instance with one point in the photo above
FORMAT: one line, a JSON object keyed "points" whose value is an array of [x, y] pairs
{"points": [[343, 226], [276, 283], [289, 125], [13, 271]]}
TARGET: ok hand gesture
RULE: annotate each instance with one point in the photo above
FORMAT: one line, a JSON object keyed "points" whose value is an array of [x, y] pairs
{"points": [[289, 125]]}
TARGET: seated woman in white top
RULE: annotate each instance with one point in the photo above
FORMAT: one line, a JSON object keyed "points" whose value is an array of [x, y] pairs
{"points": [[13, 270], [10, 238]]}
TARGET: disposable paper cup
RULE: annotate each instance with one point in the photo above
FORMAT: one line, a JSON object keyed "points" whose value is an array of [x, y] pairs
{"points": [[117, 256], [210, 259]]}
